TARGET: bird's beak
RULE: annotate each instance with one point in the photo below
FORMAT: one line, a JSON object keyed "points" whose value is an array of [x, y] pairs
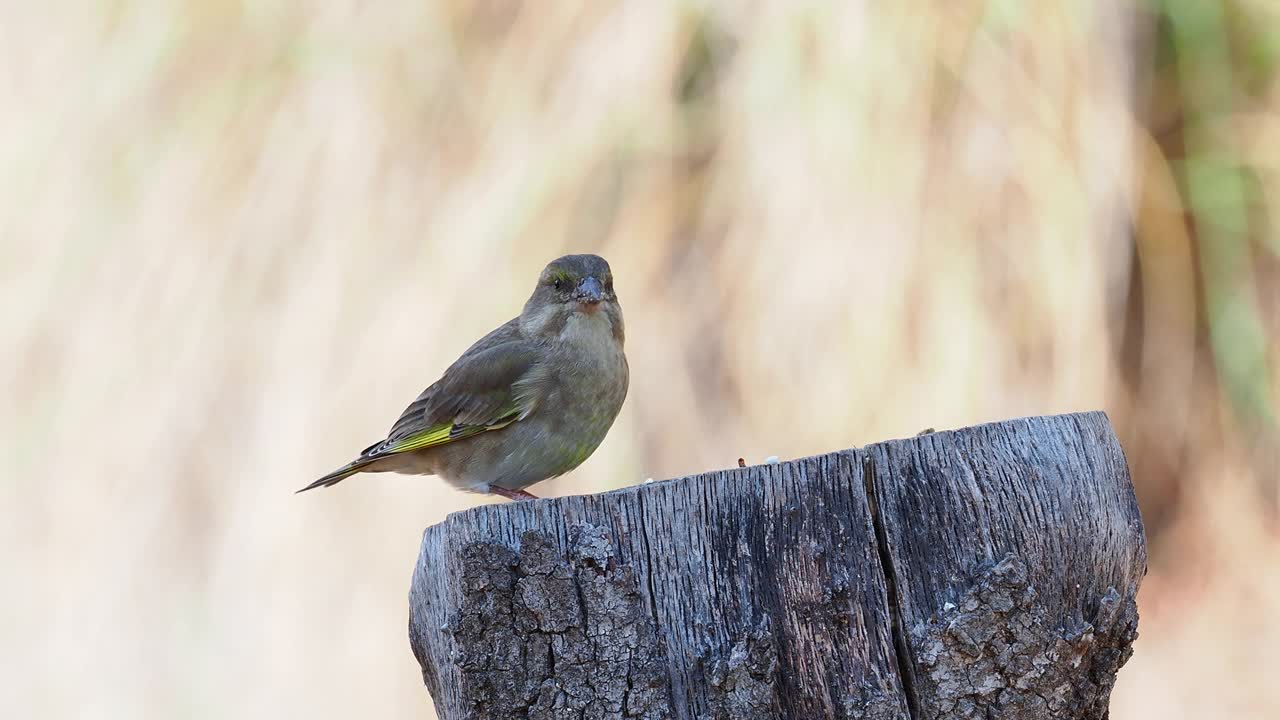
{"points": [[589, 292]]}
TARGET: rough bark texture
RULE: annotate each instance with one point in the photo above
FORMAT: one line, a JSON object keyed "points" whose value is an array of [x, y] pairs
{"points": [[1015, 552], [987, 572]]}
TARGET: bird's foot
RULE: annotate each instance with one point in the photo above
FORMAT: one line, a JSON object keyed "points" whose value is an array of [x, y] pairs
{"points": [[512, 494]]}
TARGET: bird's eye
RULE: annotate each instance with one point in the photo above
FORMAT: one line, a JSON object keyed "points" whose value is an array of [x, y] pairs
{"points": [[558, 283]]}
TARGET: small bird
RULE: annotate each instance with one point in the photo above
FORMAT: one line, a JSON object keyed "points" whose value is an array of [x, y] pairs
{"points": [[529, 401]]}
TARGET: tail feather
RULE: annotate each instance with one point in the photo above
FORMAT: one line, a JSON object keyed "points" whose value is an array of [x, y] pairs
{"points": [[337, 476]]}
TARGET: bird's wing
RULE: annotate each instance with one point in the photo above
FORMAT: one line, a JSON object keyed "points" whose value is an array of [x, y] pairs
{"points": [[488, 388]]}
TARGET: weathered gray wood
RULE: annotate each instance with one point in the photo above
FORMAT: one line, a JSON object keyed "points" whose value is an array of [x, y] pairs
{"points": [[1015, 551], [746, 593], [991, 568]]}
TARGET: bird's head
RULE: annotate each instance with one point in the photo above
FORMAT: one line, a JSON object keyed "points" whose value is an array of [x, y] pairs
{"points": [[573, 289]]}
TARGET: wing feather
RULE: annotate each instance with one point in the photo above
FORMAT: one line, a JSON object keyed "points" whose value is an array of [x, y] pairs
{"points": [[488, 388]]}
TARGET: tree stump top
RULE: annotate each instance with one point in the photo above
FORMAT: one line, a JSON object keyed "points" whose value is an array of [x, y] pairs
{"points": [[983, 572]]}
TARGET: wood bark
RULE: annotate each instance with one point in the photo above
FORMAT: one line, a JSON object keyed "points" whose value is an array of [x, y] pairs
{"points": [[988, 572]]}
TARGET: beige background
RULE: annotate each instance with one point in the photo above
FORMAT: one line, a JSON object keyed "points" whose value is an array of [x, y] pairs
{"points": [[239, 237]]}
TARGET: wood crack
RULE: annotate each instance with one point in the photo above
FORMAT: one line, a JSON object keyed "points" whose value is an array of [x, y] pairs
{"points": [[888, 601], [902, 650]]}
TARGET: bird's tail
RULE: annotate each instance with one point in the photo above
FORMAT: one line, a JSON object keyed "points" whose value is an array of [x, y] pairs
{"points": [[337, 476]]}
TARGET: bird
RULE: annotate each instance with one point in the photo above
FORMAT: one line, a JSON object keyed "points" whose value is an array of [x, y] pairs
{"points": [[529, 401]]}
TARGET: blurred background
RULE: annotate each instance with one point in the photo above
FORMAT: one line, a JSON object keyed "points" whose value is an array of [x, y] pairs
{"points": [[238, 238]]}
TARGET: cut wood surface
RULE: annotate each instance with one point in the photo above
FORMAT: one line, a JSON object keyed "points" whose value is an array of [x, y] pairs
{"points": [[988, 572]]}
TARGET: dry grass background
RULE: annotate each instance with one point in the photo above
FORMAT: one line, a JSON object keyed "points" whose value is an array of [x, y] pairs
{"points": [[239, 237]]}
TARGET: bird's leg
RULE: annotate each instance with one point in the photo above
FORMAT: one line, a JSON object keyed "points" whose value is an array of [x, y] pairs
{"points": [[512, 494]]}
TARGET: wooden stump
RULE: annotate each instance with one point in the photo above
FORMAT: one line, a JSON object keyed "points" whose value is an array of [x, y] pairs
{"points": [[988, 572]]}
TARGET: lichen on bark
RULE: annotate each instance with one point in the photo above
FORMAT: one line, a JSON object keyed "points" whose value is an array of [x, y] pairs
{"points": [[996, 653], [744, 684]]}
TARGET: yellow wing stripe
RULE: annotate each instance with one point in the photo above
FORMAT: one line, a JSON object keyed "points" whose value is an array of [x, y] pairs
{"points": [[438, 435], [441, 434]]}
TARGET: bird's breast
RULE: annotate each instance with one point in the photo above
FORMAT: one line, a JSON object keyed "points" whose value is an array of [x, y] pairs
{"points": [[590, 378]]}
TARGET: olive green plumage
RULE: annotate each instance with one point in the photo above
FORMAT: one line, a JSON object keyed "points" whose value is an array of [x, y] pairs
{"points": [[529, 401]]}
